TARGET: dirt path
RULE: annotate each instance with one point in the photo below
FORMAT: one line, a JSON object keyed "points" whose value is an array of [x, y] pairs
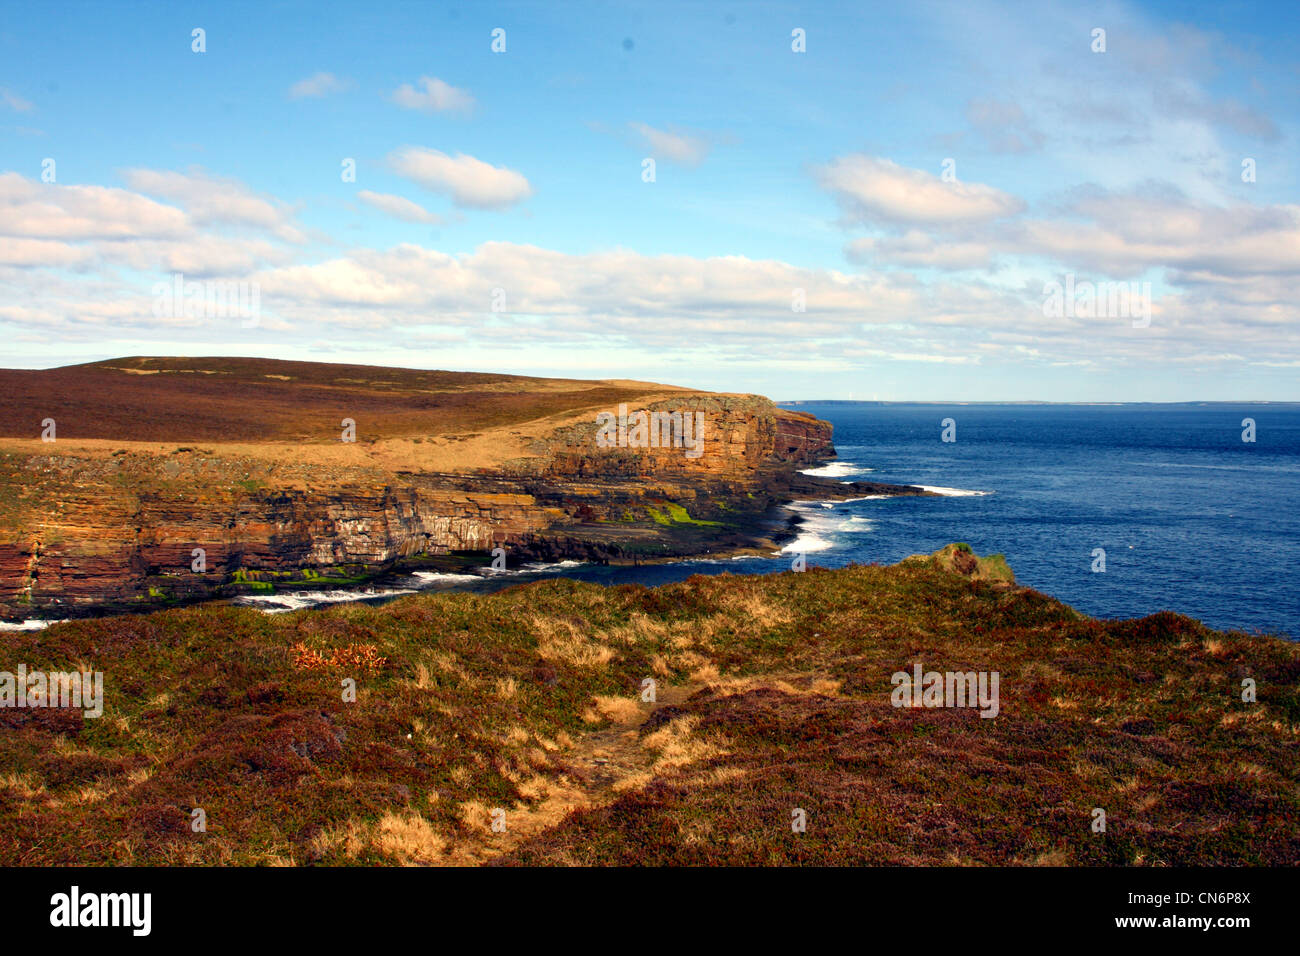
{"points": [[596, 769], [603, 764]]}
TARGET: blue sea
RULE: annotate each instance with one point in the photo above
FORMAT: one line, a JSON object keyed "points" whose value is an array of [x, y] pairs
{"points": [[1190, 517]]}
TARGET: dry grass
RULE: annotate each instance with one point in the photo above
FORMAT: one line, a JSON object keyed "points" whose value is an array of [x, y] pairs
{"points": [[348, 839], [563, 642], [409, 838], [620, 710], [477, 817], [677, 745]]}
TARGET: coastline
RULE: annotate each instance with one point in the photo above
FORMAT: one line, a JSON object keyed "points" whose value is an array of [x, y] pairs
{"points": [[131, 511], [763, 536]]}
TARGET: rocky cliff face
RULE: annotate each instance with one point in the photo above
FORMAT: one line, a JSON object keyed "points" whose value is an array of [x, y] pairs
{"points": [[733, 437], [121, 530]]}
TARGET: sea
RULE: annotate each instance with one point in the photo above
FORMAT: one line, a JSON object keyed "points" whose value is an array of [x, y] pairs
{"points": [[1118, 510], [1188, 516]]}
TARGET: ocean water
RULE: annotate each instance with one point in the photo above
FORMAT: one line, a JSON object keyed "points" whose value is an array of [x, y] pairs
{"points": [[1191, 518]]}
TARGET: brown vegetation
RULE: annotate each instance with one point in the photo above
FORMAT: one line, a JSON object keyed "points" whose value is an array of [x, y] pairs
{"points": [[774, 694]]}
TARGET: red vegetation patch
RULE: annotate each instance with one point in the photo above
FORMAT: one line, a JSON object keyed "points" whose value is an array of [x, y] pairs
{"points": [[78, 769], [53, 720], [275, 750], [355, 657]]}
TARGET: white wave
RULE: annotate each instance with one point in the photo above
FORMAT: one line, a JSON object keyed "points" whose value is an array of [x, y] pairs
{"points": [[856, 525], [952, 492], [808, 541], [297, 600], [29, 625], [556, 566], [432, 578], [435, 577], [536, 567], [836, 469], [533, 567], [273, 605], [865, 498]]}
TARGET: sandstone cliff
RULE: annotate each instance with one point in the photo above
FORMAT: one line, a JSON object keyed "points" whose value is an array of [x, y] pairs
{"points": [[93, 523]]}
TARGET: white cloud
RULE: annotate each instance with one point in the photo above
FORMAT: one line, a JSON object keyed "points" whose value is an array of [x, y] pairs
{"points": [[674, 146], [318, 85], [29, 253], [199, 255], [398, 207], [872, 190], [52, 211], [600, 288], [434, 96], [213, 199], [679, 308], [928, 357], [1125, 234], [470, 182], [1225, 273], [48, 225]]}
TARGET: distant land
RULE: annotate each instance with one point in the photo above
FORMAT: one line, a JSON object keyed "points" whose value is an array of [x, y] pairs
{"points": [[850, 401]]}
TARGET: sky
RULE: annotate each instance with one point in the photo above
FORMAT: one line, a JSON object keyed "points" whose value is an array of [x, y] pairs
{"points": [[966, 201]]}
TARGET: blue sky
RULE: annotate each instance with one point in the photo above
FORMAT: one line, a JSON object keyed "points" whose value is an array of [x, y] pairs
{"points": [[775, 171]]}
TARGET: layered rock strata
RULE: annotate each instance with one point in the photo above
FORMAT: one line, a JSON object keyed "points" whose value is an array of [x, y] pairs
{"points": [[89, 530]]}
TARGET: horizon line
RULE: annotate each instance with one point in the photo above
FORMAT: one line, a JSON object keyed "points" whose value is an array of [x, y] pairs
{"points": [[1033, 401]]}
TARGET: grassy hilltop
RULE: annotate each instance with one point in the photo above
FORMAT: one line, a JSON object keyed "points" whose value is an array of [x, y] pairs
{"points": [[286, 413], [252, 400], [773, 694]]}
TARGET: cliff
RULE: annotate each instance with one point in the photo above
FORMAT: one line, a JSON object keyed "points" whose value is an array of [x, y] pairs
{"points": [[245, 460]]}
